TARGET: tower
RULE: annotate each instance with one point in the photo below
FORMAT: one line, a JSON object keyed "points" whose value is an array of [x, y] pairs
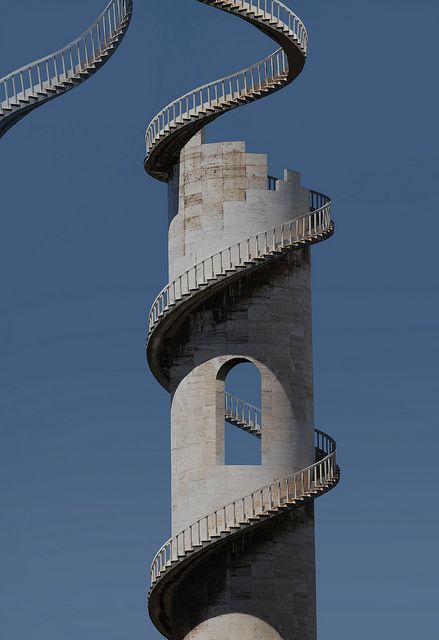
{"points": [[240, 562]]}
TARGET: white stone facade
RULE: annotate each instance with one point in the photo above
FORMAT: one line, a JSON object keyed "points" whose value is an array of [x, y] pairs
{"points": [[218, 196]]}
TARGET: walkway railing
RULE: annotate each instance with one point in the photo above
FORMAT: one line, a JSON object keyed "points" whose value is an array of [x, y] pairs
{"points": [[272, 183], [69, 61], [216, 95], [242, 253], [241, 411], [242, 86], [267, 500]]}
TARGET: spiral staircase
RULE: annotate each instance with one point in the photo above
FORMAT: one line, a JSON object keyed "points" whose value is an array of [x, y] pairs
{"points": [[266, 502], [166, 136], [29, 87]]}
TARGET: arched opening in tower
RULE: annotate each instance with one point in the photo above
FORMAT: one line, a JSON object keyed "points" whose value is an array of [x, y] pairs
{"points": [[243, 415]]}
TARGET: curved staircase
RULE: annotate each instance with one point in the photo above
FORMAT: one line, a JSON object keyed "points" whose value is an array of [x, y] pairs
{"points": [[179, 121], [265, 502], [167, 134], [192, 544], [29, 87]]}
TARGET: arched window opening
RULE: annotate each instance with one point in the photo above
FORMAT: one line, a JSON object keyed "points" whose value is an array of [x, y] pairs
{"points": [[243, 416]]}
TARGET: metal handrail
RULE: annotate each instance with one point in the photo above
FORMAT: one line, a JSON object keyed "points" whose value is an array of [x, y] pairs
{"points": [[265, 500], [216, 94], [242, 84], [272, 183], [240, 254], [68, 62], [242, 411]]}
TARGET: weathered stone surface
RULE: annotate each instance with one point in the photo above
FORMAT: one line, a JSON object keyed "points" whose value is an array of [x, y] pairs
{"points": [[260, 587], [263, 585]]}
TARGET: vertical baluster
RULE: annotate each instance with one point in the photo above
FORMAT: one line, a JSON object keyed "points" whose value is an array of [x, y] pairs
{"points": [[72, 65], [93, 44], [114, 17], [14, 88], [5, 87], [99, 36], [63, 63], [87, 59]]}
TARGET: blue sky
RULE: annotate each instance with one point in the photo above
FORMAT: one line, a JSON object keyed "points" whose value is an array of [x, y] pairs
{"points": [[84, 438]]}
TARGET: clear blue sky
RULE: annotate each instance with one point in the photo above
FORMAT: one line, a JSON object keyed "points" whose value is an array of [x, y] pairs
{"points": [[84, 449]]}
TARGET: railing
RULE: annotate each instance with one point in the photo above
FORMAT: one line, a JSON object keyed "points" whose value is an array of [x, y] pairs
{"points": [[324, 444], [317, 200], [242, 253], [266, 500], [238, 410], [276, 10], [215, 95], [242, 411], [67, 63], [243, 84], [272, 183]]}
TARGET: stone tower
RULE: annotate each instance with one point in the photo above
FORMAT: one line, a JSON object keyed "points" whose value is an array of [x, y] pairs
{"points": [[240, 562]]}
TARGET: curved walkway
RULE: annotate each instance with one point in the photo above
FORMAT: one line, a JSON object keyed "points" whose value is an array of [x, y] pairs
{"points": [[29, 87]]}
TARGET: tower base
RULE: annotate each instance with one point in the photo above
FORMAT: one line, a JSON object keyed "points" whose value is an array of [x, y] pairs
{"points": [[261, 587]]}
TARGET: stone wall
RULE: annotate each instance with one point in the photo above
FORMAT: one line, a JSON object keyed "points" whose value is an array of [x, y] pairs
{"points": [[218, 196]]}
